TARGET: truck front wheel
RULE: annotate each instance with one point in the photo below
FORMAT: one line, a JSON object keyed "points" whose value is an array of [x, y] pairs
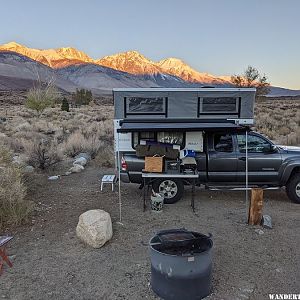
{"points": [[171, 189], [293, 188]]}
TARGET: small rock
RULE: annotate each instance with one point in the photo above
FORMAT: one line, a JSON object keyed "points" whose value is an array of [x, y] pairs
{"points": [[76, 169], [2, 120], [266, 222], [94, 228], [55, 177], [259, 231], [80, 161], [17, 160], [28, 169]]}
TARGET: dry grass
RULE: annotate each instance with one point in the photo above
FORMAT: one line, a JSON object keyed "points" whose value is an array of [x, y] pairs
{"points": [[14, 209], [46, 139], [279, 120]]}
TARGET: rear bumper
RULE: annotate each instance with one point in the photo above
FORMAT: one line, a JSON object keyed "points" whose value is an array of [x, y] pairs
{"points": [[133, 177], [124, 177]]}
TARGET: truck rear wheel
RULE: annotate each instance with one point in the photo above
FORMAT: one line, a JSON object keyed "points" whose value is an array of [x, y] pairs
{"points": [[293, 188], [172, 189]]}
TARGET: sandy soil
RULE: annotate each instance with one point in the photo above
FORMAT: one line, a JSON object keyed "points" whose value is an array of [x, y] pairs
{"points": [[51, 263]]}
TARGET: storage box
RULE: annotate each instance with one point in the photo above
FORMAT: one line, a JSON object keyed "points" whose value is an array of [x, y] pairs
{"points": [[172, 166], [154, 164]]}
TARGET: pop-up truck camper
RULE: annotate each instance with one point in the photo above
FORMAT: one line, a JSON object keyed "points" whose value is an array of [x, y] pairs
{"points": [[175, 136]]}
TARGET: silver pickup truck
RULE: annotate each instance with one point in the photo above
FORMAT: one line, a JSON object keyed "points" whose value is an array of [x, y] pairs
{"points": [[222, 165]]}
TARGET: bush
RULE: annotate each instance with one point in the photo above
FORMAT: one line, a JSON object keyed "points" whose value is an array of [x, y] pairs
{"points": [[39, 98], [13, 208], [42, 153], [82, 97], [65, 105], [77, 143]]}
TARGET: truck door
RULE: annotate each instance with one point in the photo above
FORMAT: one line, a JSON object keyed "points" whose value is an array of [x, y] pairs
{"points": [[263, 160], [222, 158]]}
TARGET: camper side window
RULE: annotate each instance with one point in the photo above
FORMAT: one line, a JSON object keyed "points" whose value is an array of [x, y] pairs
{"points": [[223, 142], [218, 105]]}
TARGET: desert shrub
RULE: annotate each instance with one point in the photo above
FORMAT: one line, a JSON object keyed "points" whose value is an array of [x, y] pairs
{"points": [[82, 97], [77, 142], [74, 144], [39, 98], [13, 207], [105, 155], [65, 105], [42, 153]]}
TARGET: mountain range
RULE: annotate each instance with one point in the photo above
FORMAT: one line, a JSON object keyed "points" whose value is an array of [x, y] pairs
{"points": [[70, 68]]}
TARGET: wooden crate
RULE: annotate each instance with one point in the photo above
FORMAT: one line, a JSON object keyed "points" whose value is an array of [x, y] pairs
{"points": [[154, 164]]}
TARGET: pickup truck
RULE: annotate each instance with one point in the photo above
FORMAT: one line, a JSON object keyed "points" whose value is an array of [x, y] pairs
{"points": [[221, 165]]}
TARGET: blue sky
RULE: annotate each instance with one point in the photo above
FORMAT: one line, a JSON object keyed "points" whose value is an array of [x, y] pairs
{"points": [[221, 37]]}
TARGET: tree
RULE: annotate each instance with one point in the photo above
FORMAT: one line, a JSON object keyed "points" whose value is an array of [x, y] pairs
{"points": [[65, 105], [41, 97], [82, 97], [252, 78]]}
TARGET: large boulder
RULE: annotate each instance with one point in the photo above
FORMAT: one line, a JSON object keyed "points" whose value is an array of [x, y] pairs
{"points": [[28, 169], [94, 228], [80, 161], [76, 169], [87, 156]]}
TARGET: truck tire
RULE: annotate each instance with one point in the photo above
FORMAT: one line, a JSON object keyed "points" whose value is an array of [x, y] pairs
{"points": [[172, 189], [293, 188]]}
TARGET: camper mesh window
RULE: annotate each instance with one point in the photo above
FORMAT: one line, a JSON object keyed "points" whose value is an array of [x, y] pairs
{"points": [[143, 105], [170, 138], [219, 105]]}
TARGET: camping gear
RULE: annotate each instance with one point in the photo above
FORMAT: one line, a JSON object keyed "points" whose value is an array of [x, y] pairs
{"points": [[3, 255], [187, 153], [157, 149], [157, 201], [181, 264], [154, 164], [172, 166], [189, 164]]}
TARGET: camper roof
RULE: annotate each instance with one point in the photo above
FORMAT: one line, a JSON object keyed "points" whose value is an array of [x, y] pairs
{"points": [[212, 89]]}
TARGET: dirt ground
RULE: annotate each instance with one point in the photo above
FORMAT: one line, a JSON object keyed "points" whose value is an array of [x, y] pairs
{"points": [[51, 263]]}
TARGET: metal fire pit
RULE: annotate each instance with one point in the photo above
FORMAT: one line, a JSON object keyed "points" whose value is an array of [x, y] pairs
{"points": [[181, 264]]}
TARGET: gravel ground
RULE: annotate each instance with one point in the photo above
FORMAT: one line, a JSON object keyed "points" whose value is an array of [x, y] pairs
{"points": [[51, 263]]}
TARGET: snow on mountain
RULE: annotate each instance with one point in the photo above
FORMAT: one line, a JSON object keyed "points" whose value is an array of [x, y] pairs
{"points": [[179, 68], [51, 57], [74, 68], [131, 62]]}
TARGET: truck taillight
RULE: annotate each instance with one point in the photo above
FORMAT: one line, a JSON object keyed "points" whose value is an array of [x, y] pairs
{"points": [[123, 164]]}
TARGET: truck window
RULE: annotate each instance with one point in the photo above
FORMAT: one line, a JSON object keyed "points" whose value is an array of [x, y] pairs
{"points": [[223, 142], [256, 144]]}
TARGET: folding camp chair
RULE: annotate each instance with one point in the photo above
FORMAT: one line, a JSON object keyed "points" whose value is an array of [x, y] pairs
{"points": [[3, 256]]}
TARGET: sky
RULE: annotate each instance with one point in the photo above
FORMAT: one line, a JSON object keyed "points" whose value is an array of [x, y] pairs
{"points": [[221, 37]]}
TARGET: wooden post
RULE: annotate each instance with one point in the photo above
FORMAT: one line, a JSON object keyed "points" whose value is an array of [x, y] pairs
{"points": [[255, 208]]}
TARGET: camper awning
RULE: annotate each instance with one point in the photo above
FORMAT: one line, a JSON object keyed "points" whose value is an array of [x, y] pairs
{"points": [[177, 126]]}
